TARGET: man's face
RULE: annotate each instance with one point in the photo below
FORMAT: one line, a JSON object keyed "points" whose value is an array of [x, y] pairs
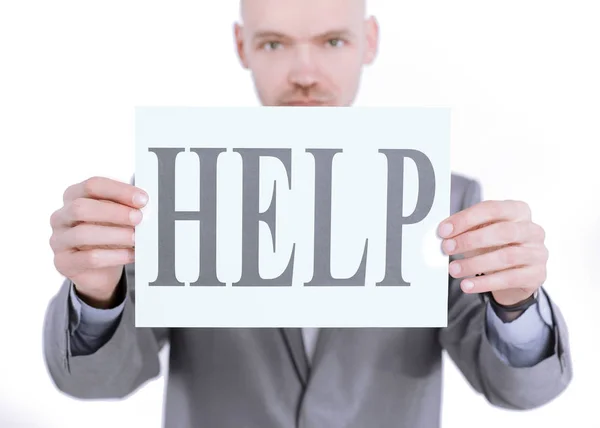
{"points": [[306, 52]]}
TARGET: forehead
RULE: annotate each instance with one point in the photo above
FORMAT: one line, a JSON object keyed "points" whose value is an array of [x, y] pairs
{"points": [[301, 18]]}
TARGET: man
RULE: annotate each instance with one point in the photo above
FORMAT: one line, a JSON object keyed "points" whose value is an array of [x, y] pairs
{"points": [[504, 333]]}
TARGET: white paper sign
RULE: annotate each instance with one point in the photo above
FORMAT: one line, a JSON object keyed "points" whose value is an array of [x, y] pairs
{"points": [[292, 217]]}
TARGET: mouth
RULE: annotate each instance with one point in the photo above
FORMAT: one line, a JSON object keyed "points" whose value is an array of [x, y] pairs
{"points": [[304, 103]]}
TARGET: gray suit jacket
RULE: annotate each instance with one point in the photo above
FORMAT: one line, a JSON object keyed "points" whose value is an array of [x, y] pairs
{"points": [[260, 378]]}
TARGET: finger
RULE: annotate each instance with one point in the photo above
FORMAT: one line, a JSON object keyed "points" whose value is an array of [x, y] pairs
{"points": [[486, 212], [499, 260], [494, 235], [473, 253], [108, 189], [522, 277], [71, 263], [84, 210], [86, 236]]}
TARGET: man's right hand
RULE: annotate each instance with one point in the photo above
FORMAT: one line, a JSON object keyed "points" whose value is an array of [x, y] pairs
{"points": [[93, 236]]}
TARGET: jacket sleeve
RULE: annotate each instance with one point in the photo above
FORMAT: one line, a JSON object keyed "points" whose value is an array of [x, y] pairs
{"points": [[467, 343], [127, 359]]}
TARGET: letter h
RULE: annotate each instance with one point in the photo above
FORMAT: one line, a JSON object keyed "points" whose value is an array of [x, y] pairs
{"points": [[167, 216]]}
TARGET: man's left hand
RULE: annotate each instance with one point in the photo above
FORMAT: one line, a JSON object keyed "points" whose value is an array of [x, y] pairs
{"points": [[499, 239]]}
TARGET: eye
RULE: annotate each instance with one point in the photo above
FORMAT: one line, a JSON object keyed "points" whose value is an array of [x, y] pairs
{"points": [[336, 43], [271, 46]]}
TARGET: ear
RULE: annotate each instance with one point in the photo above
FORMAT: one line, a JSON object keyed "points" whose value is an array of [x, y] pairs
{"points": [[372, 34], [238, 34]]}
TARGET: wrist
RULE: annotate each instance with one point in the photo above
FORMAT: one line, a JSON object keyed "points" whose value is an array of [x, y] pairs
{"points": [[97, 300], [101, 299], [510, 312]]}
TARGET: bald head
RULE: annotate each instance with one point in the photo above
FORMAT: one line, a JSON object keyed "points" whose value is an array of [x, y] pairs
{"points": [[250, 6], [306, 52]]}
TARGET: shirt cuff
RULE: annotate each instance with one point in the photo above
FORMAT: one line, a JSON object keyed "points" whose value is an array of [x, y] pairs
{"points": [[92, 318], [526, 340], [528, 327]]}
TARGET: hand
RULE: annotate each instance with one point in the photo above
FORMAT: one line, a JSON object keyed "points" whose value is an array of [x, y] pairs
{"points": [[93, 236], [499, 239]]}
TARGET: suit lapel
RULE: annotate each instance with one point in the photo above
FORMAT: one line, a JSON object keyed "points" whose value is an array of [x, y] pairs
{"points": [[295, 346]]}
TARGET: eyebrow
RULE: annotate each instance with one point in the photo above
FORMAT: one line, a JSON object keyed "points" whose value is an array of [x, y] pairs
{"points": [[341, 33], [269, 35]]}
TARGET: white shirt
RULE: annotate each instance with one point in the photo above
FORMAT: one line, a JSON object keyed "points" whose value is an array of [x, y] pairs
{"points": [[310, 336]]}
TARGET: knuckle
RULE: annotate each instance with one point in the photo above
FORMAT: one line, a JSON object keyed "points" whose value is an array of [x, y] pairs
{"points": [[545, 254], [539, 232], [53, 241], [488, 204], [516, 232], [510, 232], [60, 263], [79, 234], [67, 192], [91, 185], [77, 210], [54, 219], [541, 272], [539, 256], [57, 264], [93, 258], [495, 209], [511, 256], [524, 208]]}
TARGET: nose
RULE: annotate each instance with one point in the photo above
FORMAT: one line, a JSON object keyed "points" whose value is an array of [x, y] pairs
{"points": [[304, 71]]}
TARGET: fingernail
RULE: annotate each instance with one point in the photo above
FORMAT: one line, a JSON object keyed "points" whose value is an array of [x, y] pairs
{"points": [[133, 237], [455, 268], [450, 245], [135, 216], [467, 285], [140, 199], [446, 229]]}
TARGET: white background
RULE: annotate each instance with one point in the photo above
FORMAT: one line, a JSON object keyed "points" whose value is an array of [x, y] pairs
{"points": [[521, 76]]}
